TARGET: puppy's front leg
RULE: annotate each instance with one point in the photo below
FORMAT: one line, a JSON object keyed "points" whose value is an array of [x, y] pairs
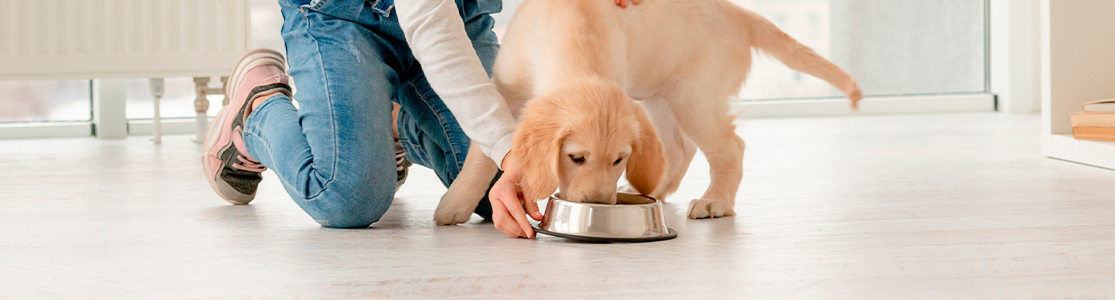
{"points": [[467, 190], [677, 147]]}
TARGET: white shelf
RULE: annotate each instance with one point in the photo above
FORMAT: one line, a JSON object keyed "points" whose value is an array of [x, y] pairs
{"points": [[1093, 153], [1077, 38]]}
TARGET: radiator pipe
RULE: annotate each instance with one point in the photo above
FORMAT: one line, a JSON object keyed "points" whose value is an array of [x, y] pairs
{"points": [[201, 106], [158, 87]]}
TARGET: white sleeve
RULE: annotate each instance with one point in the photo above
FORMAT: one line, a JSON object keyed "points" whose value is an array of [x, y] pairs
{"points": [[437, 37]]}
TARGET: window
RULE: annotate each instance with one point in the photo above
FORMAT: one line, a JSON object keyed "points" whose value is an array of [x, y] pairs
{"points": [[177, 102], [44, 100]]}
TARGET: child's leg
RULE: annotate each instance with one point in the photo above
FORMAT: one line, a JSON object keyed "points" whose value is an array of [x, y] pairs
{"points": [[335, 153]]}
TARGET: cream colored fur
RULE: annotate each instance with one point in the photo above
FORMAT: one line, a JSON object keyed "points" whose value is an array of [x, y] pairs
{"points": [[682, 58]]}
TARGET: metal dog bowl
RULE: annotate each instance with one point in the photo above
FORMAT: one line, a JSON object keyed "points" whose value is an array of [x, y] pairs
{"points": [[634, 218]]}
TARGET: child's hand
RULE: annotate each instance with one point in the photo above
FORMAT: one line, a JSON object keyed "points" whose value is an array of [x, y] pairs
{"points": [[625, 3], [508, 211]]}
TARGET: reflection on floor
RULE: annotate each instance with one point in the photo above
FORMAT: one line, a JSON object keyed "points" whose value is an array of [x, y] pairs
{"points": [[887, 207]]}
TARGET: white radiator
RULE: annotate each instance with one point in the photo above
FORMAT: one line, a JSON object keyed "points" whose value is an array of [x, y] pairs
{"points": [[98, 39], [82, 39]]}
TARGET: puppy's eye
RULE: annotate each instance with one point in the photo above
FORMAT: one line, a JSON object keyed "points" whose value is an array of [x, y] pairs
{"points": [[618, 160], [580, 160]]}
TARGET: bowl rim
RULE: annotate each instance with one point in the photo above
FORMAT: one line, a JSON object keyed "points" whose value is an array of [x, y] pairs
{"points": [[670, 234], [654, 201]]}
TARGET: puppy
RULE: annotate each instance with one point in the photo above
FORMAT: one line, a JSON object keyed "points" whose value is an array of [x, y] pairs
{"points": [[683, 59]]}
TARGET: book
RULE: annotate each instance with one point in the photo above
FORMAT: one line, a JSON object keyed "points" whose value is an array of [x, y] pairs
{"points": [[1092, 119], [1094, 133], [1101, 106]]}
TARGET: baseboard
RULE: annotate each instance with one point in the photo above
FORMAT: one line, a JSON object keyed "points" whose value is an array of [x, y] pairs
{"points": [[170, 126], [40, 130], [46, 130], [868, 106]]}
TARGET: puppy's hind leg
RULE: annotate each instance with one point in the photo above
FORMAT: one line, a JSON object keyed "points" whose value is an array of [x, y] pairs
{"points": [[467, 190], [705, 119]]}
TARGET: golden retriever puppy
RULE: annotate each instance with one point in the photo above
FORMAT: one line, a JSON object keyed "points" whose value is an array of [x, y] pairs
{"points": [[683, 59]]}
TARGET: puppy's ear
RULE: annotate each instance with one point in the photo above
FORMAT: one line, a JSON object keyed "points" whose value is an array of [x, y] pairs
{"points": [[536, 147], [647, 164]]}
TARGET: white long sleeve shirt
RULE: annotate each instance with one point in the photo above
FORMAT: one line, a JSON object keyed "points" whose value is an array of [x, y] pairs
{"points": [[437, 37]]}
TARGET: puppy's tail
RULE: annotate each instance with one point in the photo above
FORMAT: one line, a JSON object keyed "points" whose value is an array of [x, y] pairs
{"points": [[768, 38]]}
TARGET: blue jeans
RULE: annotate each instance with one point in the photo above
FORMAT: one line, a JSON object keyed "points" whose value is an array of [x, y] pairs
{"points": [[335, 153]]}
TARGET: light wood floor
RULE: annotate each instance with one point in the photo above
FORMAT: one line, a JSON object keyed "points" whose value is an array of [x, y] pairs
{"points": [[892, 207]]}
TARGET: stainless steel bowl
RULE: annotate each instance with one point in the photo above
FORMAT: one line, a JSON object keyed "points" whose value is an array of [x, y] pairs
{"points": [[635, 218]]}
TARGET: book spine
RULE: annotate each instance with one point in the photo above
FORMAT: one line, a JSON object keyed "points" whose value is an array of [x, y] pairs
{"points": [[1094, 133]]}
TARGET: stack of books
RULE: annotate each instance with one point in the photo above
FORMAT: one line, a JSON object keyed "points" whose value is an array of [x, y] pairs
{"points": [[1096, 122]]}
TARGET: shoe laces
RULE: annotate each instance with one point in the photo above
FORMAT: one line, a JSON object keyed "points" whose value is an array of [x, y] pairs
{"points": [[400, 161], [245, 163], [248, 164]]}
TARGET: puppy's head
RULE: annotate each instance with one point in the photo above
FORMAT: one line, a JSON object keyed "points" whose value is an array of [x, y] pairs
{"points": [[581, 138]]}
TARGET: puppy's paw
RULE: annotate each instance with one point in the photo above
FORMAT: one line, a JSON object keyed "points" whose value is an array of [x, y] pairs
{"points": [[451, 217], [703, 208], [450, 212]]}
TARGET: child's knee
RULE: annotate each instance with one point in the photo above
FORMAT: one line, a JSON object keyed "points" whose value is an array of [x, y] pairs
{"points": [[347, 221], [355, 207], [353, 217]]}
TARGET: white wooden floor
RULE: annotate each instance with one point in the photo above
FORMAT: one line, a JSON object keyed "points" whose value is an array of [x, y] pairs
{"points": [[945, 206]]}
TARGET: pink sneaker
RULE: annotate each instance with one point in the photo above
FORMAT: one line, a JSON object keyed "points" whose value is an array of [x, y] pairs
{"points": [[231, 171]]}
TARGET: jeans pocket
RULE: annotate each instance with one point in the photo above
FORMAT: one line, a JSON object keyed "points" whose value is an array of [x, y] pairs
{"points": [[384, 7], [341, 9]]}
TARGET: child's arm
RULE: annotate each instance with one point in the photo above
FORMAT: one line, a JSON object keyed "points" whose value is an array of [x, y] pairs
{"points": [[437, 37]]}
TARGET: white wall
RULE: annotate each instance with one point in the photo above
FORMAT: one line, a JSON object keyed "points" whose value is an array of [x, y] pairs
{"points": [[1015, 55]]}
